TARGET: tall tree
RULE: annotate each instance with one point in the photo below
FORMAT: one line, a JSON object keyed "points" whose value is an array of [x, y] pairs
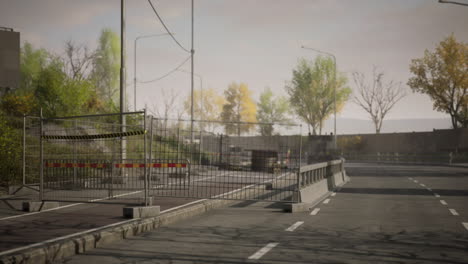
{"points": [[312, 90], [271, 110], [239, 110], [207, 106], [442, 75], [377, 98], [78, 60], [106, 66], [32, 63]]}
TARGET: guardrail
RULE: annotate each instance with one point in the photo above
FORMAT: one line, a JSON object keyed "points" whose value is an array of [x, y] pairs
{"points": [[410, 158], [314, 173]]}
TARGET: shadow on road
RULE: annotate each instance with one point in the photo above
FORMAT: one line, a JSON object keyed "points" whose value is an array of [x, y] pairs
{"points": [[404, 191], [376, 170]]}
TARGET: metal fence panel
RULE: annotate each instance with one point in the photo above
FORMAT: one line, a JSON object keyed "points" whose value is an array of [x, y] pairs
{"points": [[93, 158], [224, 166]]}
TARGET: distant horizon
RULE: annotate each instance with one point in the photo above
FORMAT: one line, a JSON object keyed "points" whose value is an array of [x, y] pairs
{"points": [[394, 125]]}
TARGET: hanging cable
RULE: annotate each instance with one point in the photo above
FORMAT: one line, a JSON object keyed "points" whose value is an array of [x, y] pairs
{"points": [[165, 27], [169, 73]]}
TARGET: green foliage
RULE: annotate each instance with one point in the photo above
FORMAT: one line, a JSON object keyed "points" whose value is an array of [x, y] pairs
{"points": [[10, 154], [106, 67], [239, 107], [271, 110], [311, 91], [49, 88], [442, 75], [18, 105], [32, 63], [47, 83]]}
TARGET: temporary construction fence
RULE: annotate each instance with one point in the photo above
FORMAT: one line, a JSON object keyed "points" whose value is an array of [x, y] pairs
{"points": [[92, 158], [239, 166], [99, 158]]}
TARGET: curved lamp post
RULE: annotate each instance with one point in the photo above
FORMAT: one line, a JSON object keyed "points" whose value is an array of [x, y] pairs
{"points": [[135, 62]]}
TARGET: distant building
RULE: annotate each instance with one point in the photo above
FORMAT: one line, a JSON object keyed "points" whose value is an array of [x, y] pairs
{"points": [[9, 60]]}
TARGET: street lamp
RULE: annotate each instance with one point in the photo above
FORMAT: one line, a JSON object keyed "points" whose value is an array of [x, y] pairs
{"points": [[135, 61], [334, 88]]}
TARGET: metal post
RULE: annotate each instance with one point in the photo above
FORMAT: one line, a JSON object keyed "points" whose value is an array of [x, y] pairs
{"points": [[299, 167], [150, 153], [178, 144], [75, 158], [300, 146], [200, 149], [24, 149], [145, 158], [122, 75], [334, 102], [192, 51], [41, 158], [220, 150], [134, 73]]}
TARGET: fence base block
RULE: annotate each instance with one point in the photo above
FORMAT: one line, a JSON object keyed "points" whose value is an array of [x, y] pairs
{"points": [[141, 211], [298, 207], [36, 206]]}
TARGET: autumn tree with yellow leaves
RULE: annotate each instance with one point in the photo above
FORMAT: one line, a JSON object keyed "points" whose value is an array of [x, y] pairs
{"points": [[239, 110], [443, 76], [207, 106]]}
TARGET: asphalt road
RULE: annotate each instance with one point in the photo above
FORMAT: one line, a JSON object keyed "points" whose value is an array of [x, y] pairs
{"points": [[18, 229], [386, 214]]}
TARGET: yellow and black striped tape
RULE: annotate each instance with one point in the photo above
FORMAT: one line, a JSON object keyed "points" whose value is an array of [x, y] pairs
{"points": [[98, 136]]}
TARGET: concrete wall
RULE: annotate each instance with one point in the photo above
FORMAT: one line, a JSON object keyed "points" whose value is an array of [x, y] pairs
{"points": [[437, 141], [446, 140]]}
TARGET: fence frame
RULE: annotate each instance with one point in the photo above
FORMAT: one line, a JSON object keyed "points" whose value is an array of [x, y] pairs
{"points": [[121, 159], [305, 175]]}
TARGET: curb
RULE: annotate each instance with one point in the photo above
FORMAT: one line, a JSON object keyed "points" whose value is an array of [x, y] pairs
{"points": [[411, 164], [58, 249]]}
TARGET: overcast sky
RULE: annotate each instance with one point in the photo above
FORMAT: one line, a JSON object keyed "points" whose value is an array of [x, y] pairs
{"points": [[255, 42]]}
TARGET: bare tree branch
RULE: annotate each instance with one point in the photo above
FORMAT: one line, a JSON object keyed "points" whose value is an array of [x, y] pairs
{"points": [[78, 60], [378, 98]]}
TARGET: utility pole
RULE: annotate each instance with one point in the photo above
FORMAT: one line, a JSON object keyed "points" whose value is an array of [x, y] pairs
{"points": [[192, 51], [122, 74]]}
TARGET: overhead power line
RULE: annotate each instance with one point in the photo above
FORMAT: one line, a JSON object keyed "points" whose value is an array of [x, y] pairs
{"points": [[169, 73], [452, 2], [165, 27]]}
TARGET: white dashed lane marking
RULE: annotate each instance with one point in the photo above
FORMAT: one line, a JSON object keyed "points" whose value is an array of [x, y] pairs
{"points": [[315, 211], [453, 211], [326, 201], [294, 226], [443, 202], [429, 189], [415, 181], [333, 194], [436, 195], [465, 225], [263, 251]]}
